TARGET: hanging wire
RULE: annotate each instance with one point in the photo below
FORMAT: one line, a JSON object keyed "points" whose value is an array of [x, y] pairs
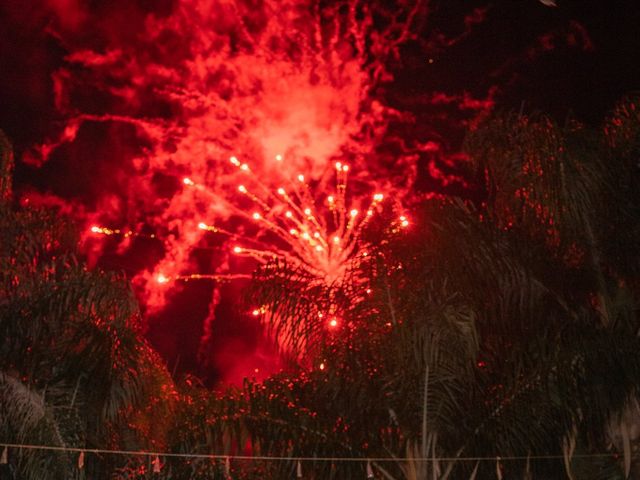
{"points": [[227, 458]]}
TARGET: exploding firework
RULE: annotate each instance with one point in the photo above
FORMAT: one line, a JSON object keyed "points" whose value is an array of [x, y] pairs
{"points": [[243, 80], [289, 85], [318, 238], [321, 244], [149, 93]]}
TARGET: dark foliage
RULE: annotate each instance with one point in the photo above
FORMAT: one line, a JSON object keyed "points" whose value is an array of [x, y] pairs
{"points": [[503, 329]]}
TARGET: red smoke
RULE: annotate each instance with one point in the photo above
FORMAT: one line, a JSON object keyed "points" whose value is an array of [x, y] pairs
{"points": [[144, 94], [149, 93], [215, 79], [205, 80]]}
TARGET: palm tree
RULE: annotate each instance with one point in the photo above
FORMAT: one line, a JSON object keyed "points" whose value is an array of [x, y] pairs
{"points": [[73, 365], [498, 338], [503, 329]]}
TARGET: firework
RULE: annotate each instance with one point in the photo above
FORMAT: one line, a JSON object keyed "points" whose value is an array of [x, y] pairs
{"points": [[318, 236], [322, 240], [288, 84]]}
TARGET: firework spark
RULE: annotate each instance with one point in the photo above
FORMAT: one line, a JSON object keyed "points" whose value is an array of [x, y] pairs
{"points": [[288, 84], [319, 237], [320, 242]]}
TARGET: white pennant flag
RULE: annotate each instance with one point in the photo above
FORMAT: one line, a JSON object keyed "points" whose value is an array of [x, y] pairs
{"points": [[299, 470], [227, 467], [156, 464], [369, 470], [81, 461], [3, 458]]}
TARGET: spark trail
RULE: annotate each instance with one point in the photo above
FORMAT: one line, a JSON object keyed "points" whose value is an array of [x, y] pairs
{"points": [[322, 240], [322, 244], [207, 80]]}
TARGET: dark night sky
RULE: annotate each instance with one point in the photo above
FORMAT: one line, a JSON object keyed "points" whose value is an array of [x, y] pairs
{"points": [[577, 58], [506, 49]]}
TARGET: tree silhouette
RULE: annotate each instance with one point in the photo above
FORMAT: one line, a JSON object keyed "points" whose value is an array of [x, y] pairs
{"points": [[498, 338], [74, 368]]}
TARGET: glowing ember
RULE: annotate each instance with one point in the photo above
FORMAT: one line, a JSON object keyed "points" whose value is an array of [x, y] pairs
{"points": [[115, 231]]}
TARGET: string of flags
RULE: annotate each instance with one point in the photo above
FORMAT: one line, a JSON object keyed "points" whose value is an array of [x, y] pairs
{"points": [[157, 463]]}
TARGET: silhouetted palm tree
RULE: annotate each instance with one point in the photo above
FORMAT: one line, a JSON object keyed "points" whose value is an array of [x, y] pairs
{"points": [[505, 329], [73, 365]]}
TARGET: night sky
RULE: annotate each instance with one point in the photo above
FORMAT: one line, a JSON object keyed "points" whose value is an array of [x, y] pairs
{"points": [[467, 58]]}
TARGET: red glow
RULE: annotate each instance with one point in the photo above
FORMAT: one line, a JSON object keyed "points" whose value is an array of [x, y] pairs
{"points": [[226, 95]]}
